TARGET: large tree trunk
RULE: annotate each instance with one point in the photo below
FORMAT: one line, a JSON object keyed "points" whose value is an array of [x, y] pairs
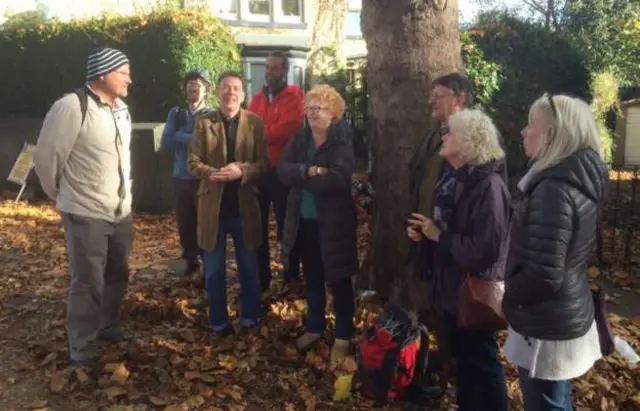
{"points": [[409, 42], [326, 61]]}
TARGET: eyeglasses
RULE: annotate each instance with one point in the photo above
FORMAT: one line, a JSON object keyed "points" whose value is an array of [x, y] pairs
{"points": [[124, 73], [435, 96], [314, 108]]}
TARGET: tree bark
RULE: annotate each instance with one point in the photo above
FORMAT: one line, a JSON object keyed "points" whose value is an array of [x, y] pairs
{"points": [[409, 42], [326, 61]]}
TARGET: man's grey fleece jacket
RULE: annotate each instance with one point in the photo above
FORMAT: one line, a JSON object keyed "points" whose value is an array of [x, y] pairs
{"points": [[85, 168]]}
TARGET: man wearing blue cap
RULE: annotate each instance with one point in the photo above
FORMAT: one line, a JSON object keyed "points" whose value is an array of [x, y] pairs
{"points": [[83, 161], [176, 137]]}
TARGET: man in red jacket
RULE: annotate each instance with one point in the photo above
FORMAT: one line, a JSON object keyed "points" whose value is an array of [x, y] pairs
{"points": [[281, 108]]}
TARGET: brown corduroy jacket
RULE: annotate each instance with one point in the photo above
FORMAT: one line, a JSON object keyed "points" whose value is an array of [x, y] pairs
{"points": [[208, 152]]}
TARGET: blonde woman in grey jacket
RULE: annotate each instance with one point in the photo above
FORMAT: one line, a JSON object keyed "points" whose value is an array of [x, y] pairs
{"points": [[83, 163]]}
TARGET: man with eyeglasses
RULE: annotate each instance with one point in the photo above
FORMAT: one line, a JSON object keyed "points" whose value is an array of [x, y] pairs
{"points": [[176, 136], [83, 161], [451, 93]]}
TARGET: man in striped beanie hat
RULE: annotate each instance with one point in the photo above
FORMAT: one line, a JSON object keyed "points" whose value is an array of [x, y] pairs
{"points": [[109, 67], [83, 161]]}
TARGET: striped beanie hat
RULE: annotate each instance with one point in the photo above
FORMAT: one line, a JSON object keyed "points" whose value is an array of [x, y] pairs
{"points": [[103, 61]]}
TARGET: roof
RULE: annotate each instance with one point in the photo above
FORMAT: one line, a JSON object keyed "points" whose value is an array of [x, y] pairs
{"points": [[630, 103]]}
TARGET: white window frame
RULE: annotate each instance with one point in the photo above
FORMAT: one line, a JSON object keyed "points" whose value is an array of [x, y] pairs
{"points": [[227, 15], [352, 8], [278, 13], [275, 15]]}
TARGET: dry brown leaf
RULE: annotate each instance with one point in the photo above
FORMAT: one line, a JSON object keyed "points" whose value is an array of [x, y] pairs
{"points": [[264, 332], [236, 393], [188, 336], [58, 381], [194, 402], [311, 403], [156, 400], [113, 392], [38, 404], [111, 367], [48, 359], [120, 374], [82, 376], [191, 375]]}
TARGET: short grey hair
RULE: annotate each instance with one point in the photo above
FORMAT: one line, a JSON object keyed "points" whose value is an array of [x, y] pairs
{"points": [[478, 137], [568, 129]]}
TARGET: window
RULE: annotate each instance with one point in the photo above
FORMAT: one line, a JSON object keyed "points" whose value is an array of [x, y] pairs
{"points": [[256, 73], [224, 8], [298, 76], [352, 19], [260, 11], [260, 7], [291, 8]]}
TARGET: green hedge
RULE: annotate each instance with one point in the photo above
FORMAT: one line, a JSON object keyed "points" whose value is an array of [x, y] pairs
{"points": [[532, 60], [42, 62]]}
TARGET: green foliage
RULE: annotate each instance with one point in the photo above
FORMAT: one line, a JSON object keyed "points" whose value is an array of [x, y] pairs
{"points": [[485, 75], [532, 60], [326, 66], [24, 19], [48, 60], [608, 33], [605, 88]]}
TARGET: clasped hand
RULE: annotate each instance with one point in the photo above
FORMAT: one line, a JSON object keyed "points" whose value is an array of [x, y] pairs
{"points": [[231, 172], [315, 171], [419, 226]]}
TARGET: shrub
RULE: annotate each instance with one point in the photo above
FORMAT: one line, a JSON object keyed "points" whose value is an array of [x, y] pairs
{"points": [[604, 88], [44, 61], [485, 75], [532, 60]]}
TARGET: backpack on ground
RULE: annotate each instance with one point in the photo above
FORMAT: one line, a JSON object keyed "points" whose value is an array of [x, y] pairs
{"points": [[392, 356]]}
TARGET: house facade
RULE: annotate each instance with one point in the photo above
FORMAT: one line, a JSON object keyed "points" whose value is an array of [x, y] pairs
{"points": [[261, 26]]}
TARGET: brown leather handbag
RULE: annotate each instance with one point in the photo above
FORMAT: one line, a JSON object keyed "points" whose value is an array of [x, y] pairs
{"points": [[480, 304]]}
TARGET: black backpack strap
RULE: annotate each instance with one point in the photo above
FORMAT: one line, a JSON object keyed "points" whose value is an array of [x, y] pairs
{"points": [[82, 96]]}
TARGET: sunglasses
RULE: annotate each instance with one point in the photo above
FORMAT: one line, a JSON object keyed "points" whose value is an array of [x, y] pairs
{"points": [[554, 109]]}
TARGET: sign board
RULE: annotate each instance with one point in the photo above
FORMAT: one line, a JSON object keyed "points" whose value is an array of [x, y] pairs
{"points": [[23, 165]]}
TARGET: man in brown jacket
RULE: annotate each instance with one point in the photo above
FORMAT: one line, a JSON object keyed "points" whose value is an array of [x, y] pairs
{"points": [[228, 152]]}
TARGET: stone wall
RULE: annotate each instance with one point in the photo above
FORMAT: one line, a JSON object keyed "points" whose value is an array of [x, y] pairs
{"points": [[151, 170]]}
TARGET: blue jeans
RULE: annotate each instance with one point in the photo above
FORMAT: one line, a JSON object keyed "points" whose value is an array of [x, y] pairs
{"points": [[308, 242], [544, 395], [481, 382], [216, 281]]}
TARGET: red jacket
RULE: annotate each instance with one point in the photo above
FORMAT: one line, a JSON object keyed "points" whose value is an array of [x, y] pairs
{"points": [[282, 118]]}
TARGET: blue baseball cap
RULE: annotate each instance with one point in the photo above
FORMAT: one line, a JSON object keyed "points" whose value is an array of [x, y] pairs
{"points": [[198, 74]]}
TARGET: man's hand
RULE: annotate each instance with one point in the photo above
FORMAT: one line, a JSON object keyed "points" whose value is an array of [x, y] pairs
{"points": [[231, 172]]}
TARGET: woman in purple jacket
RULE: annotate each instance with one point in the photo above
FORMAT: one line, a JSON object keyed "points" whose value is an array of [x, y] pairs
{"points": [[469, 233]]}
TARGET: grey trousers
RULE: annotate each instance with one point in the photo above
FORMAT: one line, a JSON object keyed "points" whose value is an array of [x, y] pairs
{"points": [[98, 253]]}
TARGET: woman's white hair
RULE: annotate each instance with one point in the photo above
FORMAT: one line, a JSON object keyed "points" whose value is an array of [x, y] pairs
{"points": [[567, 127], [478, 136]]}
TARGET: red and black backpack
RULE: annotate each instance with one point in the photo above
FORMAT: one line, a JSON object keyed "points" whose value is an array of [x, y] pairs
{"points": [[392, 356]]}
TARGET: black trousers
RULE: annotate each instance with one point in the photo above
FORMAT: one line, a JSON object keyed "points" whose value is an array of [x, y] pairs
{"points": [[273, 192], [186, 203]]}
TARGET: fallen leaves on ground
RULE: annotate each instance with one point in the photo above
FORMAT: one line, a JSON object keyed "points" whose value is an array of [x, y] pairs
{"points": [[176, 364]]}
